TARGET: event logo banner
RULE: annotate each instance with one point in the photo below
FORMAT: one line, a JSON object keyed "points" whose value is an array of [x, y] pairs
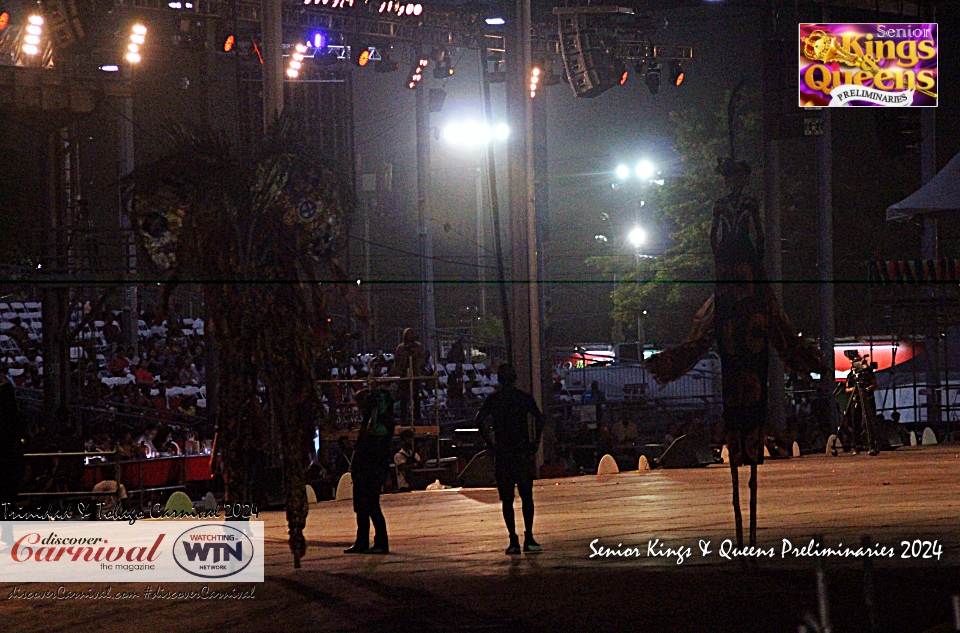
{"points": [[868, 65], [116, 551]]}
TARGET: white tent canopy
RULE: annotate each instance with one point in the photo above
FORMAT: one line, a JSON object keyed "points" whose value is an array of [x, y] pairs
{"points": [[941, 193]]}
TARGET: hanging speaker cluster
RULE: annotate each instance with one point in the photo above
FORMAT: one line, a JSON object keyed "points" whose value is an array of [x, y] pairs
{"points": [[590, 67]]}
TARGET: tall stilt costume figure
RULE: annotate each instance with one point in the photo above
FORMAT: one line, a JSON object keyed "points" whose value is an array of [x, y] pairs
{"points": [[744, 318]]}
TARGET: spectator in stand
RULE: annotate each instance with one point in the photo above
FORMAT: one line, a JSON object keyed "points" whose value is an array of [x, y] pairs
{"points": [[118, 365], [409, 361], [406, 459], [146, 441], [143, 376]]}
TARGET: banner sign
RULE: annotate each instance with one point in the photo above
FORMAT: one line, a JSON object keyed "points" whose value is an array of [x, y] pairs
{"points": [[892, 65], [117, 551]]}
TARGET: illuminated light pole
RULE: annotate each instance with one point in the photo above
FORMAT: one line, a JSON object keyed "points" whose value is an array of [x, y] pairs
{"points": [[131, 310], [472, 134]]}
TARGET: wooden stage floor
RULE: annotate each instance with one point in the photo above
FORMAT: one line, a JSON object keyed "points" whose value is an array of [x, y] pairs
{"points": [[447, 570]]}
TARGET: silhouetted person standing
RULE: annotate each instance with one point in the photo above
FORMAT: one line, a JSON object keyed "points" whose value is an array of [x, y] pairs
{"points": [[511, 424], [409, 361], [370, 465], [12, 444]]}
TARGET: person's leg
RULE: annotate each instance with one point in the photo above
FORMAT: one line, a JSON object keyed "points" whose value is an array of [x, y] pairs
{"points": [[381, 543], [505, 484], [361, 505], [525, 488]]}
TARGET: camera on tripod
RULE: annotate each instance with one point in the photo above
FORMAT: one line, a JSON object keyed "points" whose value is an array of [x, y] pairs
{"points": [[860, 369]]}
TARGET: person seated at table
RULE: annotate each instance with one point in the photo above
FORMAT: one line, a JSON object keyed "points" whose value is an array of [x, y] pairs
{"points": [[146, 441], [165, 444], [128, 448], [406, 459]]}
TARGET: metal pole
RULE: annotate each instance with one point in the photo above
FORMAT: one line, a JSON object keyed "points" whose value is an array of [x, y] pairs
{"points": [[495, 209], [272, 62], [481, 248], [424, 234], [131, 313], [774, 266], [928, 169], [825, 255], [526, 295]]}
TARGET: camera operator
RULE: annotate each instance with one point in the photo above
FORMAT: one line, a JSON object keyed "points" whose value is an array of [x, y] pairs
{"points": [[860, 415]]}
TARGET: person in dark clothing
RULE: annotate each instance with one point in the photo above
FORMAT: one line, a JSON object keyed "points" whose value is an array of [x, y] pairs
{"points": [[506, 424], [12, 444], [370, 465]]}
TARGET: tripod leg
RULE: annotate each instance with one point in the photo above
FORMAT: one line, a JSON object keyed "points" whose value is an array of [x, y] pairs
{"points": [[753, 504], [737, 515]]}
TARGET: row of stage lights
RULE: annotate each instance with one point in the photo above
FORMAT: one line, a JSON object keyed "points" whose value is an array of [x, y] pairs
{"points": [[386, 6], [33, 35]]}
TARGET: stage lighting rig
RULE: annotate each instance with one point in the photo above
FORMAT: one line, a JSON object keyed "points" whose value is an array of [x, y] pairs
{"points": [[31, 41], [138, 35], [444, 67], [678, 74], [401, 8], [534, 81], [416, 75], [652, 78], [296, 60]]}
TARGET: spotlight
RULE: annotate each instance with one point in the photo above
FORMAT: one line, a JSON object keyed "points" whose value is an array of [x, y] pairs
{"points": [[319, 40], [623, 77], [363, 58], [678, 74], [623, 172], [4, 20], [652, 78], [534, 81], [31, 41], [645, 170], [296, 60], [138, 35], [495, 21], [228, 43], [416, 75]]}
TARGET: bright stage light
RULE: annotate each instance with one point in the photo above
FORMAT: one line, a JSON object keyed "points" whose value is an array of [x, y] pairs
{"points": [[4, 20], [534, 81], [110, 68], [472, 133], [31, 41], [645, 170], [637, 237], [296, 60], [138, 33], [623, 172], [319, 40], [495, 21]]}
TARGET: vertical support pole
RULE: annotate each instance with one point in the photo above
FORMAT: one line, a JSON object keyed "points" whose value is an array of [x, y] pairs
{"points": [[131, 311], [825, 255], [928, 169], [481, 247], [56, 354], [525, 308], [272, 62], [774, 266], [424, 235], [495, 210], [541, 203]]}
